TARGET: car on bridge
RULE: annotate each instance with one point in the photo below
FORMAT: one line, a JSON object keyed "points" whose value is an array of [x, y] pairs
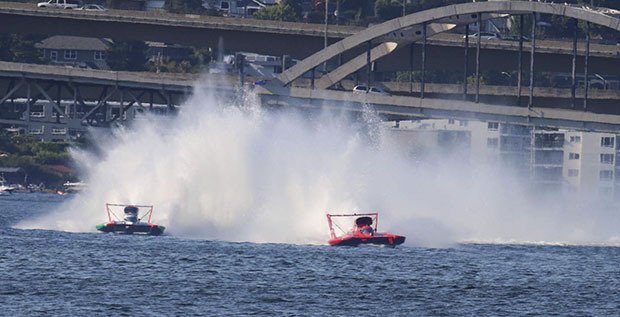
{"points": [[484, 36], [362, 89], [516, 38], [92, 7], [60, 4]]}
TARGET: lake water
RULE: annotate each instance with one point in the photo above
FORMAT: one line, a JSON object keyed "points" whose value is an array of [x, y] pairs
{"points": [[58, 273]]}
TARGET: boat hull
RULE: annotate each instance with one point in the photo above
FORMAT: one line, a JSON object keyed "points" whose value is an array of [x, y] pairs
{"points": [[388, 240], [123, 228]]}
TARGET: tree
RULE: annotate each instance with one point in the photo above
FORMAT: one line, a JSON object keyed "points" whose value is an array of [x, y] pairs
{"points": [[279, 12], [127, 56], [6, 42], [388, 9], [20, 48], [184, 6], [296, 5]]}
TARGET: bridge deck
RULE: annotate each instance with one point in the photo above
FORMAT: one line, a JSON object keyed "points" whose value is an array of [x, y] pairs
{"points": [[26, 17]]}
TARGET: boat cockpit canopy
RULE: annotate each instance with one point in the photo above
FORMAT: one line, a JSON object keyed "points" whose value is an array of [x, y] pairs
{"points": [[363, 221], [131, 213]]}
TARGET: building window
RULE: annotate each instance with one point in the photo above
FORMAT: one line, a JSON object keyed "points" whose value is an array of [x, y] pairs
{"points": [[492, 143], [606, 175], [607, 158], [450, 121], [493, 126], [99, 56], [573, 172], [54, 56], [573, 156], [70, 54], [463, 123], [575, 139], [607, 141]]}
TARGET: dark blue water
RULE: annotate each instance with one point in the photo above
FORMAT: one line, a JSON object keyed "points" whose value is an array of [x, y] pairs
{"points": [[58, 273]]}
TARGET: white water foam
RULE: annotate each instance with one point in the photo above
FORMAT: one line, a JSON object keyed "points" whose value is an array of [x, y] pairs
{"points": [[240, 173]]}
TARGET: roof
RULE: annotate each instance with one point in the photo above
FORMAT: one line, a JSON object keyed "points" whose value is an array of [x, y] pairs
{"points": [[74, 43], [61, 169], [10, 169]]}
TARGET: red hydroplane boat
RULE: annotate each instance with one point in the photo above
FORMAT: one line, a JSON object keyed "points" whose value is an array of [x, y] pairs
{"points": [[362, 232]]}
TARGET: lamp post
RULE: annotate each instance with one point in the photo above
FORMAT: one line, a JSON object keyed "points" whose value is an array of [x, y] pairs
{"points": [[325, 37]]}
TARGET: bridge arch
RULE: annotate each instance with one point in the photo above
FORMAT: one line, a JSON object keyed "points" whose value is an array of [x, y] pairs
{"points": [[600, 16]]}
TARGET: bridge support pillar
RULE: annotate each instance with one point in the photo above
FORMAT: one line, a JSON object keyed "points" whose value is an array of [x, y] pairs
{"points": [[28, 104], [411, 68], [368, 65], [520, 60], [240, 61], [466, 62], [573, 86], [585, 69], [532, 53], [121, 101], [478, 59], [423, 61]]}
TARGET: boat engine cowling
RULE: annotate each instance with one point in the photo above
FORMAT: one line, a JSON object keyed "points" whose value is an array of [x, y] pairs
{"points": [[131, 214]]}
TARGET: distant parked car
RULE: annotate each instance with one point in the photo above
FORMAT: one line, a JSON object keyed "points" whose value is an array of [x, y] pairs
{"points": [[484, 36], [362, 89], [516, 38], [92, 7], [60, 4]]}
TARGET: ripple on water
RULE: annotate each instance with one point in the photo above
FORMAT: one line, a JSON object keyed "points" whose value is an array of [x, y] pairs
{"points": [[57, 273]]}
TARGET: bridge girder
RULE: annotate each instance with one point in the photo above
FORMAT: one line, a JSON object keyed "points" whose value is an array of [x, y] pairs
{"points": [[600, 16], [54, 106]]}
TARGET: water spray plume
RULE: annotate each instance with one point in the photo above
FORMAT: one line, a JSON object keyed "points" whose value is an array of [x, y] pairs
{"points": [[241, 173]]}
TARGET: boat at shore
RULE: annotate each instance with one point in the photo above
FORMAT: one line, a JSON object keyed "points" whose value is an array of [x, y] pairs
{"points": [[74, 187], [4, 188], [362, 232], [131, 223]]}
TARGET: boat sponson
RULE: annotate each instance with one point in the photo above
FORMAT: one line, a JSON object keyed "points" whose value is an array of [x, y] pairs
{"points": [[124, 228], [356, 241]]}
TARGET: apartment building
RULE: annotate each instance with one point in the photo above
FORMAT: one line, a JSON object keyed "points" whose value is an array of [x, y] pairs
{"points": [[547, 160], [591, 163], [553, 160], [434, 138]]}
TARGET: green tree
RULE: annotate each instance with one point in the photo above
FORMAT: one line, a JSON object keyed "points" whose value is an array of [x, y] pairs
{"points": [[296, 5], [388, 9], [184, 6], [20, 48], [6, 42], [279, 12], [129, 56]]}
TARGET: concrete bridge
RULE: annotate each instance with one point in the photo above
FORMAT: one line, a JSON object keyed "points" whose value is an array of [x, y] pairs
{"points": [[275, 37], [432, 21], [99, 98], [57, 102]]}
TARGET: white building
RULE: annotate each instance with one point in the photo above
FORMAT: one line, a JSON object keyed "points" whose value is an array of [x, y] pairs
{"points": [[590, 161], [553, 160]]}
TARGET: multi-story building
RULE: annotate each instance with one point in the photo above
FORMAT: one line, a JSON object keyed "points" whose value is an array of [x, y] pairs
{"points": [[547, 159], [590, 163], [434, 139], [553, 160]]}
